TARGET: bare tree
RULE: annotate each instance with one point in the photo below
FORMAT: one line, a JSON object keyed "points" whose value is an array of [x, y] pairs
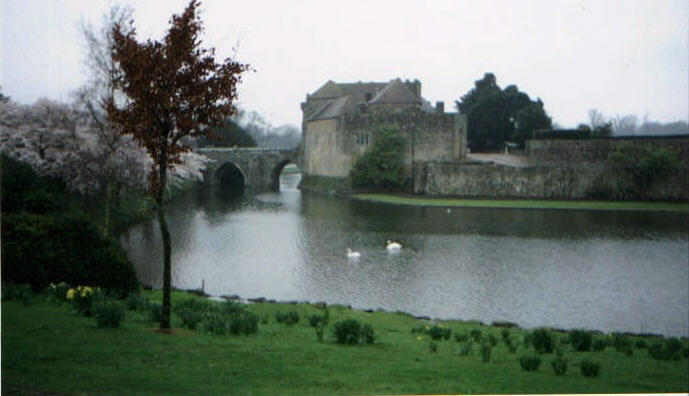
{"points": [[596, 118], [625, 125], [116, 160]]}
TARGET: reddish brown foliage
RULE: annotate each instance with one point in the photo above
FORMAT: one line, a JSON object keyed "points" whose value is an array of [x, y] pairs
{"points": [[174, 88]]}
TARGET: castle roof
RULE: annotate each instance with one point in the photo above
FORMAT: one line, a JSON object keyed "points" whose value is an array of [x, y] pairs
{"points": [[396, 92], [336, 99]]}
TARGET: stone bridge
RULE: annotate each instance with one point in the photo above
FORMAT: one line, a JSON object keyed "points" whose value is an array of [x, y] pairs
{"points": [[253, 169]]}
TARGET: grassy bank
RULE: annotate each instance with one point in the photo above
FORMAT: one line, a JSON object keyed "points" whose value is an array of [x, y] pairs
{"points": [[46, 348], [524, 204]]}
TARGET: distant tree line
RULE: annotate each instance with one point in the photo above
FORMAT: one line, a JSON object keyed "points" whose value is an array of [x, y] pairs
{"points": [[265, 134], [630, 125], [251, 129]]}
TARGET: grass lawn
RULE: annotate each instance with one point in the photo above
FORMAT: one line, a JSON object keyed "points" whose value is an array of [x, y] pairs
{"points": [[524, 204], [47, 348]]}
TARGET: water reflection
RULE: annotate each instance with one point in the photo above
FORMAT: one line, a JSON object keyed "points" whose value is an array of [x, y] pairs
{"points": [[613, 271]]}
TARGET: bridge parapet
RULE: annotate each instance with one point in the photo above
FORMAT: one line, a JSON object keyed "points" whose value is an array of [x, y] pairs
{"points": [[259, 168]]}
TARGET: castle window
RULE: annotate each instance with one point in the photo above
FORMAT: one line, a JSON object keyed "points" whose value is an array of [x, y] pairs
{"points": [[362, 138]]}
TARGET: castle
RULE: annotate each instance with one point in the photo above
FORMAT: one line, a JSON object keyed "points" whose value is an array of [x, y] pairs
{"points": [[339, 120]]}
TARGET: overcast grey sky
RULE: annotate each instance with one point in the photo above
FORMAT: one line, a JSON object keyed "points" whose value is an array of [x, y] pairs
{"points": [[621, 57]]}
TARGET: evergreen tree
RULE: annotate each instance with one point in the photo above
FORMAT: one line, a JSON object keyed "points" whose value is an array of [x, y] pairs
{"points": [[496, 116]]}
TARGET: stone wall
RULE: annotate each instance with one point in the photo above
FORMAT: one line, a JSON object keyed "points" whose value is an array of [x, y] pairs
{"points": [[556, 151], [326, 158], [439, 137], [480, 180], [332, 146], [558, 169], [428, 136]]}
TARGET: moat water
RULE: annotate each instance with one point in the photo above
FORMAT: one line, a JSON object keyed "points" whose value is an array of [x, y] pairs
{"points": [[602, 270]]}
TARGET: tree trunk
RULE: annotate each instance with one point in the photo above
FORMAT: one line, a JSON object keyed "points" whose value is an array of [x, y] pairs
{"points": [[106, 207], [165, 325], [167, 267]]}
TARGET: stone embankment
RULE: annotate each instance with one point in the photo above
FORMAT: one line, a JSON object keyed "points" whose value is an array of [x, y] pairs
{"points": [[551, 169]]}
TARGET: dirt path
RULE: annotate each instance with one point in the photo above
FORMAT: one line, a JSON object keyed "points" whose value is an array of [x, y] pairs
{"points": [[517, 161]]}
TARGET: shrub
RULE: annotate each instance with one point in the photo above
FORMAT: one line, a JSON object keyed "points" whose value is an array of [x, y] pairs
{"points": [[465, 349], [438, 332], [461, 337], [367, 335], [433, 347], [641, 343], [215, 322], [643, 166], [350, 332], [318, 322], [599, 344], [347, 331], [155, 312], [192, 312], [57, 293], [505, 334], [542, 341], [82, 298], [581, 340], [559, 365], [486, 349], [476, 335], [190, 319], [589, 368], [37, 249], [245, 323], [511, 347], [289, 318], [529, 362], [381, 167], [528, 338], [23, 189], [12, 291], [108, 313], [231, 307], [492, 340], [669, 349], [622, 343], [136, 302]]}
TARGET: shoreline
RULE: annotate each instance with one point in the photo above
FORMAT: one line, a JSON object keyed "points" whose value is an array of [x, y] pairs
{"points": [[450, 202], [494, 324]]}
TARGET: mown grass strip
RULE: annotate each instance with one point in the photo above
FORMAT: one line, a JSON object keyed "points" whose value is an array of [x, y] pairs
{"points": [[524, 204], [47, 349]]}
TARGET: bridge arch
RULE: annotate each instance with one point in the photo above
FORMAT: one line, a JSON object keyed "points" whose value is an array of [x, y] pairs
{"points": [[259, 168], [276, 172], [230, 179]]}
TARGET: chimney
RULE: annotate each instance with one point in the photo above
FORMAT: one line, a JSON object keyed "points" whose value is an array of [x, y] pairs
{"points": [[440, 107], [414, 86]]}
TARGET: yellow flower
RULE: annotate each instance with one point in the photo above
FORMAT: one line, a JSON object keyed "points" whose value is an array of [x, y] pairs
{"points": [[419, 338], [70, 294], [428, 327]]}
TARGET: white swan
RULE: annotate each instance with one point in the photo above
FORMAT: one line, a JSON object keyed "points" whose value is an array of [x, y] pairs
{"points": [[352, 254], [393, 246]]}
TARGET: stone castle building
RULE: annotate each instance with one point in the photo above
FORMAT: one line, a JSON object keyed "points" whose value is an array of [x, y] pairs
{"points": [[339, 120]]}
